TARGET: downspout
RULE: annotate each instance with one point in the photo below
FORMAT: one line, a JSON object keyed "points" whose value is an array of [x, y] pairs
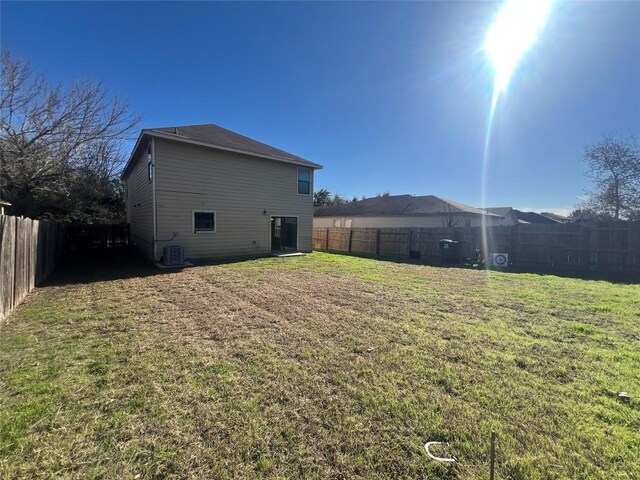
{"points": [[153, 188]]}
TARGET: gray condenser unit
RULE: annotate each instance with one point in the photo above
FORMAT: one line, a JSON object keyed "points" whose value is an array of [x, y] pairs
{"points": [[173, 255]]}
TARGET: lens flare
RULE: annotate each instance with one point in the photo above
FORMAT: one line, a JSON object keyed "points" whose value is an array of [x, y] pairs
{"points": [[514, 30]]}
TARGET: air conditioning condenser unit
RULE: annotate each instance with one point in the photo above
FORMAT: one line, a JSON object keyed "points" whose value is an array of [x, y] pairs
{"points": [[173, 255]]}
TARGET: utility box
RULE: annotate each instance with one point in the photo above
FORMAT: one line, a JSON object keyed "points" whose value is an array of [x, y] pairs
{"points": [[449, 251]]}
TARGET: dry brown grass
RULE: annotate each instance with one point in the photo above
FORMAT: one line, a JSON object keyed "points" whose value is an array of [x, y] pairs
{"points": [[319, 367]]}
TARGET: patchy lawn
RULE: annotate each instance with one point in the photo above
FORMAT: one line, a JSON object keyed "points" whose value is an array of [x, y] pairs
{"points": [[322, 366]]}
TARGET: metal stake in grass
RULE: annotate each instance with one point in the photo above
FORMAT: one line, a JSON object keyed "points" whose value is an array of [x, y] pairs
{"points": [[451, 459], [492, 465]]}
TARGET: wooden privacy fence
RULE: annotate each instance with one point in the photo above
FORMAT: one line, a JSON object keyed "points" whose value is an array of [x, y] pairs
{"points": [[29, 251], [596, 247]]}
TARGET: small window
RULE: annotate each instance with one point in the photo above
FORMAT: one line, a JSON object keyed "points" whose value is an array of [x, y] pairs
{"points": [[347, 223], [336, 222], [467, 222], [204, 221], [304, 181], [149, 163]]}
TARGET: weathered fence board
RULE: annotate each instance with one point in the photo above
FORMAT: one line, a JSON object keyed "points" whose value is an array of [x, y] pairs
{"points": [[394, 242], [29, 250], [364, 240], [7, 262], [338, 239], [597, 247]]}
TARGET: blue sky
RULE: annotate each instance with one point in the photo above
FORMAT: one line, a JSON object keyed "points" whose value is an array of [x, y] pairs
{"points": [[387, 96]]}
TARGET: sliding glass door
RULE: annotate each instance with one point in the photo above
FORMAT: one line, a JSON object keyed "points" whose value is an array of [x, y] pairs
{"points": [[284, 234]]}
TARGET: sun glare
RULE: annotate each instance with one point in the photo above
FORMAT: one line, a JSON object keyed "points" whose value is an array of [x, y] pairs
{"points": [[514, 30]]}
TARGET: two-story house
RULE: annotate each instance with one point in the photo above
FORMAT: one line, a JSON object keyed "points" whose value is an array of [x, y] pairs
{"points": [[217, 194]]}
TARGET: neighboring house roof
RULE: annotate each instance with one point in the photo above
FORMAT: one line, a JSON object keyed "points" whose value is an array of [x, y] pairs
{"points": [[502, 211], [213, 136], [557, 217], [533, 217], [397, 205], [5, 203]]}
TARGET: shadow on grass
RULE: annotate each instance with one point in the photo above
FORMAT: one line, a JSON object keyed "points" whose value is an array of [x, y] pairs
{"points": [[111, 264], [582, 274], [121, 263]]}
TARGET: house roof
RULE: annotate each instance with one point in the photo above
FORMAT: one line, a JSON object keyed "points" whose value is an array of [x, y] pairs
{"points": [[555, 216], [397, 205], [533, 217], [502, 211], [214, 136]]}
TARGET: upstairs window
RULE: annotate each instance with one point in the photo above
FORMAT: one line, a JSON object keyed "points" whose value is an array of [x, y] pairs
{"points": [[204, 221], [304, 181], [149, 163]]}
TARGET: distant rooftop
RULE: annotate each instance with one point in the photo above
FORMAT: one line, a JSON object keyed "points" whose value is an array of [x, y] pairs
{"points": [[502, 211], [398, 205], [533, 217], [558, 217]]}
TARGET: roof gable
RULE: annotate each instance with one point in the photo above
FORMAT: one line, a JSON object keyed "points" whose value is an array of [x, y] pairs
{"points": [[213, 136]]}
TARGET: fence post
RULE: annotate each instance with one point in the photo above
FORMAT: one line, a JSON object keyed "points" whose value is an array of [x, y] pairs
{"points": [[587, 234], [350, 237], [377, 242], [409, 243], [326, 240], [15, 262], [511, 262]]}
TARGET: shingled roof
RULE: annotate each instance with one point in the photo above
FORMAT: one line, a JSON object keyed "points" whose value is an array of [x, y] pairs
{"points": [[214, 136], [397, 205], [502, 211], [533, 217]]}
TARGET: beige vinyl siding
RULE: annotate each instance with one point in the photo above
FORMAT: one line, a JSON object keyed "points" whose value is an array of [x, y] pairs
{"points": [[239, 188], [424, 221], [139, 191]]}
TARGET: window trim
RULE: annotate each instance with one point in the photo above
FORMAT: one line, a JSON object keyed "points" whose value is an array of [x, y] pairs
{"points": [[205, 232], [310, 170]]}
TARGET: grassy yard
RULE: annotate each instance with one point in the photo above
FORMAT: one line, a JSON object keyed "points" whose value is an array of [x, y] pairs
{"points": [[321, 366]]}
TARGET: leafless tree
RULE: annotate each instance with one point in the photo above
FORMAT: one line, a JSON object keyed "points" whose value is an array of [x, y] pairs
{"points": [[449, 219], [614, 166], [57, 143]]}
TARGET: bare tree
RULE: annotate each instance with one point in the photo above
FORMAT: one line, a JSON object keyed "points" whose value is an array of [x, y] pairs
{"points": [[587, 215], [449, 218], [614, 166], [57, 143]]}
